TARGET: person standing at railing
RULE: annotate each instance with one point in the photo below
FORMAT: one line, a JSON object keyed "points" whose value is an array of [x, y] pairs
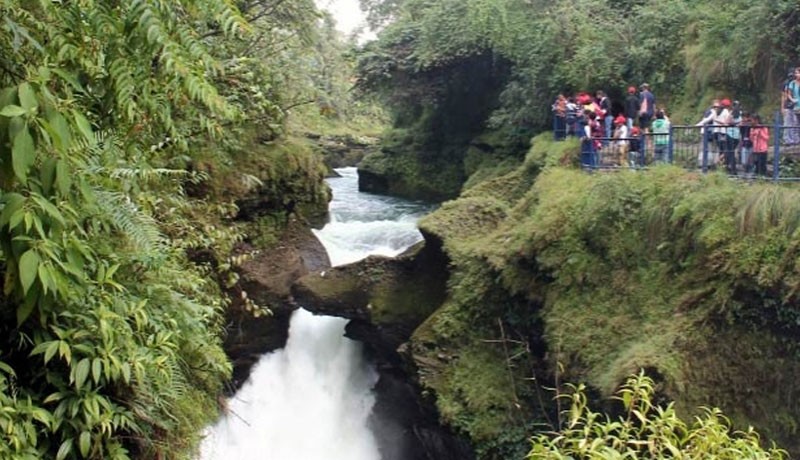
{"points": [[746, 150], [632, 105], [574, 114], [760, 136], [605, 113], [621, 134], [708, 132], [792, 108], [588, 147], [560, 117], [661, 127], [719, 119], [635, 147], [647, 105], [733, 135]]}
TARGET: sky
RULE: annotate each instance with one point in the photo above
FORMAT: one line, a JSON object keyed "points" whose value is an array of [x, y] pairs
{"points": [[347, 14]]}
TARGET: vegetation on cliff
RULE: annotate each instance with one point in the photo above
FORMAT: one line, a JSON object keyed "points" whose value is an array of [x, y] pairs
{"points": [[568, 276], [133, 136], [646, 430]]}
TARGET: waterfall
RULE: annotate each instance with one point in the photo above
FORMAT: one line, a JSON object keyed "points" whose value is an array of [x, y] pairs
{"points": [[311, 400]]}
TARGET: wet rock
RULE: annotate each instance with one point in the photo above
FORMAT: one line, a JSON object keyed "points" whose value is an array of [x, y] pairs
{"points": [[266, 280]]}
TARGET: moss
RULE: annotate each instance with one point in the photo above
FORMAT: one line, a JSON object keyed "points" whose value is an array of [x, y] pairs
{"points": [[546, 151], [414, 177], [395, 302], [601, 275]]}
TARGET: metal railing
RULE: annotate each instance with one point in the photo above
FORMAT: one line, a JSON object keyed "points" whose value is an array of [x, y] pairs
{"points": [[704, 148]]}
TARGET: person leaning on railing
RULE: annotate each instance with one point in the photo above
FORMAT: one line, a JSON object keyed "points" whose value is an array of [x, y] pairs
{"points": [[718, 120]]}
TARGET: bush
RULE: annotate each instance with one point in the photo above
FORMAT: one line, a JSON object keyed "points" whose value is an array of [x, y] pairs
{"points": [[645, 430]]}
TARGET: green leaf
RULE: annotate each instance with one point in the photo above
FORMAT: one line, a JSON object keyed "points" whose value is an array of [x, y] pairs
{"points": [[13, 202], [84, 443], [42, 416], [45, 278], [27, 97], [12, 110], [51, 351], [69, 78], [57, 396], [64, 450], [8, 370], [97, 369], [59, 130], [25, 310], [48, 174], [64, 351], [126, 372], [84, 126], [81, 372], [23, 154], [63, 178], [48, 208], [28, 268]]}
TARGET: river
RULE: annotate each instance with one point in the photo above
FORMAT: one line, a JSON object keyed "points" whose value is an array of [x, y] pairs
{"points": [[312, 399]]}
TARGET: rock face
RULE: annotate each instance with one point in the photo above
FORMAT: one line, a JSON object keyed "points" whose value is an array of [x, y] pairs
{"points": [[341, 151], [386, 300], [266, 279]]}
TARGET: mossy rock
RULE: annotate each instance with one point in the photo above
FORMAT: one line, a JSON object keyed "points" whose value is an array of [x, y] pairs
{"points": [[396, 294]]}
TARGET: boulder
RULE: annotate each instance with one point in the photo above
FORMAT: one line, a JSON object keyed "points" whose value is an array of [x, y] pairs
{"points": [[266, 279]]}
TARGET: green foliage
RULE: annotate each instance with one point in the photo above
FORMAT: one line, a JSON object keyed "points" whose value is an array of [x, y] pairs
{"points": [[109, 335], [645, 430]]}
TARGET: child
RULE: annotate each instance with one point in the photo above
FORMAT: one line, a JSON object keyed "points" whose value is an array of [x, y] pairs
{"points": [[633, 148], [620, 145], [759, 135], [661, 137]]}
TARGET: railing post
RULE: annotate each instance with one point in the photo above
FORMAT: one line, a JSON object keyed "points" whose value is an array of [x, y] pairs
{"points": [[776, 158], [670, 145], [705, 150]]}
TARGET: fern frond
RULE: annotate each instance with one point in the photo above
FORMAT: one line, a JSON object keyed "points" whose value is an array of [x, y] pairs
{"points": [[123, 214]]}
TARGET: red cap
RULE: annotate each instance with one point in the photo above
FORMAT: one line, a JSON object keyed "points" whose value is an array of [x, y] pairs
{"points": [[635, 131], [726, 102], [631, 90], [620, 120]]}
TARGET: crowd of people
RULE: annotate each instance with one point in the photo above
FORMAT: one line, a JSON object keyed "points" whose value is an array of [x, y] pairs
{"points": [[591, 118], [728, 128], [736, 138]]}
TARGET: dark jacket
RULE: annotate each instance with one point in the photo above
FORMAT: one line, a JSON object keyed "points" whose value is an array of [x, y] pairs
{"points": [[632, 106]]}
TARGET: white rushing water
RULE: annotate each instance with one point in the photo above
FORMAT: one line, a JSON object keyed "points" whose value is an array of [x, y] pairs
{"points": [[311, 400]]}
